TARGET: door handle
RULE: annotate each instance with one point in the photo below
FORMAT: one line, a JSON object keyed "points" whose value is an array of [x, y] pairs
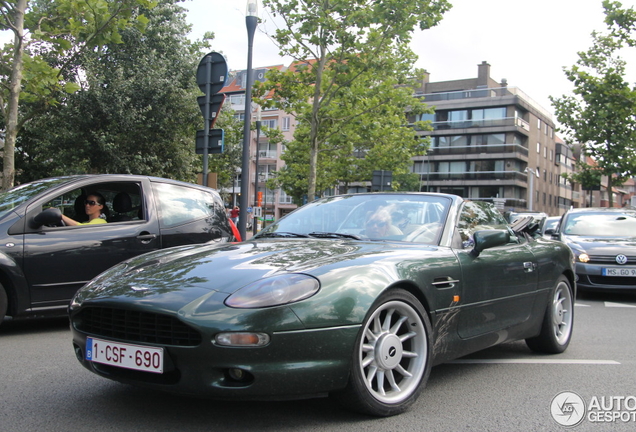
{"points": [[146, 237], [528, 267]]}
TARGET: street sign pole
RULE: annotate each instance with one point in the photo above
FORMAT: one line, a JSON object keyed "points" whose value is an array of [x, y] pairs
{"points": [[211, 78], [206, 127]]}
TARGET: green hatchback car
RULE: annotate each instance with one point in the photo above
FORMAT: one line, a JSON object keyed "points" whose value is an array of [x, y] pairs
{"points": [[356, 296]]}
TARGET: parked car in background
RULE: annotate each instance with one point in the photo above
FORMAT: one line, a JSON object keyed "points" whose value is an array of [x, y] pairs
{"points": [[604, 244], [43, 263], [357, 296]]}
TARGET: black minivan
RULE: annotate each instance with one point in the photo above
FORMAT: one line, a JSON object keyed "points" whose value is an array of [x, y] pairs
{"points": [[43, 262]]}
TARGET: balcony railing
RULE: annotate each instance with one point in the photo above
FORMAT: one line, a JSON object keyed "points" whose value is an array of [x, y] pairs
{"points": [[510, 202], [476, 175], [267, 154], [464, 124], [476, 149], [285, 199], [483, 93], [263, 177]]}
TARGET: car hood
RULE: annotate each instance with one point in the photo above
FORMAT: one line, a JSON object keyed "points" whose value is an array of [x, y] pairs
{"points": [[604, 245], [189, 273]]}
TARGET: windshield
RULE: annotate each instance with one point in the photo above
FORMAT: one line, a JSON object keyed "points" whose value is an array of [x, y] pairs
{"points": [[19, 194], [404, 217], [600, 224]]}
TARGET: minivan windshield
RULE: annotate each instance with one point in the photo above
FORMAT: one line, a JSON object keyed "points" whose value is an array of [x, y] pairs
{"points": [[22, 193]]}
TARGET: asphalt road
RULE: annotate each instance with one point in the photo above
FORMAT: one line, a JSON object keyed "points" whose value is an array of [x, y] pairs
{"points": [[507, 388]]}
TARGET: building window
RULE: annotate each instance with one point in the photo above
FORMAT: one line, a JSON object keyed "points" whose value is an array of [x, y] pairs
{"points": [[283, 198], [538, 147], [488, 113], [286, 123], [238, 99], [420, 167], [270, 123]]}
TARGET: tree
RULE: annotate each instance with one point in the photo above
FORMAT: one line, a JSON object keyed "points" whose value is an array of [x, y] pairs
{"points": [[42, 29], [601, 115], [136, 111], [349, 88]]}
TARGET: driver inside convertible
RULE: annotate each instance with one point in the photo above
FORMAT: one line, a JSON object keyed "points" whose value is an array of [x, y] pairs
{"points": [[95, 208], [379, 225]]}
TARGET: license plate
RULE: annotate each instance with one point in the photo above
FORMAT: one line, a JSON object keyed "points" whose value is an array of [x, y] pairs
{"points": [[619, 271], [137, 357]]}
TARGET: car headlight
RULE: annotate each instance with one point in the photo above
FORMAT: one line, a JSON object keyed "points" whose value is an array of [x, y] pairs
{"points": [[274, 291], [583, 257]]}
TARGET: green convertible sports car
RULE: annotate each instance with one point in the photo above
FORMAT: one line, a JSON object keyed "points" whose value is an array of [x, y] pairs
{"points": [[355, 296]]}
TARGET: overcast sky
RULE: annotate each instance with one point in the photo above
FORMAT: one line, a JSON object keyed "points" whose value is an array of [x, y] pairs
{"points": [[526, 42]]}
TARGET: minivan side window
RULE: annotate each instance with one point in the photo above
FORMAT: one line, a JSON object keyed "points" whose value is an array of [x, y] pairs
{"points": [[179, 205]]}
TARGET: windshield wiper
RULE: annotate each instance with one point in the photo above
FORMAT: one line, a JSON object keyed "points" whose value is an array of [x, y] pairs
{"points": [[283, 234], [333, 235]]}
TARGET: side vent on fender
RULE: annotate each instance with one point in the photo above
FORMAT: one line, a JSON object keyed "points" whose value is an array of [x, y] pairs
{"points": [[444, 282]]}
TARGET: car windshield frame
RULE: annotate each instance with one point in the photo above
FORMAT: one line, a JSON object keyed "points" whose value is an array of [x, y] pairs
{"points": [[18, 195], [416, 218], [600, 224]]}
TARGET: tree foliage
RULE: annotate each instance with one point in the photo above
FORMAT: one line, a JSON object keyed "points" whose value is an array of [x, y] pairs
{"points": [[51, 29], [601, 114], [136, 111], [349, 88]]}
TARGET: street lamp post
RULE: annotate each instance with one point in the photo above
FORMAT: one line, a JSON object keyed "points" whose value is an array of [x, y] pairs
{"points": [[531, 174], [251, 21], [258, 137]]}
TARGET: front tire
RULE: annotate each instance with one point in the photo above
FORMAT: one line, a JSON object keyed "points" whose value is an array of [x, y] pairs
{"points": [[391, 360], [556, 330]]}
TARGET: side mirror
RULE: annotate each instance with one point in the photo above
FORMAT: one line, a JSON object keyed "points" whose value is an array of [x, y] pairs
{"points": [[549, 231], [50, 216], [485, 239]]}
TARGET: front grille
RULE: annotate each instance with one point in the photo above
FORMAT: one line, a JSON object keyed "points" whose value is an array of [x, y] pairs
{"points": [[135, 326], [609, 259], [613, 280]]}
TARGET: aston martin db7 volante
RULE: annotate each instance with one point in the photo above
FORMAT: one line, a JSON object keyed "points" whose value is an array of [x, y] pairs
{"points": [[355, 296]]}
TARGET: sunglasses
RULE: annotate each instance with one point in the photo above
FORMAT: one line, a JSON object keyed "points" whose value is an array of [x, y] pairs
{"points": [[380, 224], [91, 202]]}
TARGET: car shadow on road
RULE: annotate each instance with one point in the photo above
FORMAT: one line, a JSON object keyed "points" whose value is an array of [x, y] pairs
{"points": [[33, 325], [168, 411], [615, 297]]}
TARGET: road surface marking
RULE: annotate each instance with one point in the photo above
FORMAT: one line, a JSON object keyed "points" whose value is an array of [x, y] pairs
{"points": [[536, 361]]}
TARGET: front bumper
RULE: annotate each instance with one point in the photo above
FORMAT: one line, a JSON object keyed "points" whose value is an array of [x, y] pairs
{"points": [[590, 278], [294, 364]]}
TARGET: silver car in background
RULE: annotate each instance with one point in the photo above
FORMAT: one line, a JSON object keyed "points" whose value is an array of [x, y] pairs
{"points": [[604, 244]]}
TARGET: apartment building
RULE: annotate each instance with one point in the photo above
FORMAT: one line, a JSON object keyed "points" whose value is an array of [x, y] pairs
{"points": [[492, 142], [489, 142], [264, 155]]}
